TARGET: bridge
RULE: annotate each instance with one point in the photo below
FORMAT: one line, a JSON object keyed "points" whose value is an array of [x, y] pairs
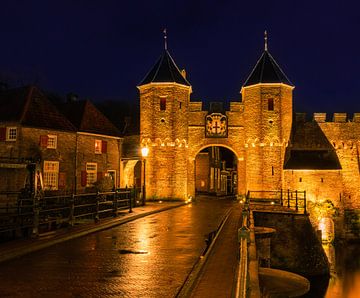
{"points": [[234, 261]]}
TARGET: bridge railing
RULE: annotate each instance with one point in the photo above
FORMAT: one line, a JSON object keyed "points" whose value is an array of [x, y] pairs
{"points": [[31, 215], [292, 199], [247, 280]]}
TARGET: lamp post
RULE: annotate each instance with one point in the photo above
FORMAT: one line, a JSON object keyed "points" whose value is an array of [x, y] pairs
{"points": [[144, 153]]}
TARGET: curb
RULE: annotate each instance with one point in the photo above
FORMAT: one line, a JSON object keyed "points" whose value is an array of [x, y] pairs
{"points": [[196, 271], [35, 246]]}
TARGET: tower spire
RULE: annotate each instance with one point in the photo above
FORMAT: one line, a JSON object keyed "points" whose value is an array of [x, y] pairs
{"points": [[165, 39], [265, 40]]}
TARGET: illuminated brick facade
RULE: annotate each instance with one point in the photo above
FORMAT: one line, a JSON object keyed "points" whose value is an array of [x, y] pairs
{"points": [[263, 133]]}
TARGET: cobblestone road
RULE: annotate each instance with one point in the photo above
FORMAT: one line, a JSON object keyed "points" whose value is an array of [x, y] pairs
{"points": [[149, 257]]}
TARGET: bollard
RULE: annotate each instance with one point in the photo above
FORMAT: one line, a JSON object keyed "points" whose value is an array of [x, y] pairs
{"points": [[244, 233]]}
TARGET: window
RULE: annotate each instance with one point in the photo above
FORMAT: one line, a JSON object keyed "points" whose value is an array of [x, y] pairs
{"points": [[270, 104], [51, 175], [11, 133], [48, 141], [180, 105], [52, 142], [162, 103], [100, 146], [91, 173]]}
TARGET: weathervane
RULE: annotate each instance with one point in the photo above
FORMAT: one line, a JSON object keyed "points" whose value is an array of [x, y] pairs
{"points": [[265, 39], [165, 37]]}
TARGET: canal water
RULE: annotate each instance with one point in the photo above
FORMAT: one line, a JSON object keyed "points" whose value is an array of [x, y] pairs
{"points": [[344, 281]]}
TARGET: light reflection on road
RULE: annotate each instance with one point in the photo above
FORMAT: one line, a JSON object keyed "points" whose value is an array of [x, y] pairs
{"points": [[149, 257]]}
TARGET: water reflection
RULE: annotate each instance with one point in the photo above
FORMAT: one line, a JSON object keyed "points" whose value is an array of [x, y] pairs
{"points": [[344, 281], [345, 265]]}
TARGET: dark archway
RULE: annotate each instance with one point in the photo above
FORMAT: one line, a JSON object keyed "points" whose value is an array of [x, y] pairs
{"points": [[216, 171]]}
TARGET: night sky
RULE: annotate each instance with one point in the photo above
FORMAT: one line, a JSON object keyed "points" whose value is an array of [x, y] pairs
{"points": [[102, 49]]}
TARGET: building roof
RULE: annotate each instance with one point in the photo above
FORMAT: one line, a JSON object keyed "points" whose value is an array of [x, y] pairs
{"points": [[165, 71], [267, 70], [30, 107], [87, 118], [312, 160]]}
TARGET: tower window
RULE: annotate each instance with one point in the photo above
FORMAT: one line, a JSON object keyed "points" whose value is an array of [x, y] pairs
{"points": [[162, 104], [272, 171], [180, 105], [270, 104]]}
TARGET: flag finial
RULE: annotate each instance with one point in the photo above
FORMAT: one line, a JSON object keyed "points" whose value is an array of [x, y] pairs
{"points": [[266, 40], [165, 39]]}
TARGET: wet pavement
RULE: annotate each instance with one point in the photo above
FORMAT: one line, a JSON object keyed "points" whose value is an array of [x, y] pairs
{"points": [[148, 257], [218, 278]]}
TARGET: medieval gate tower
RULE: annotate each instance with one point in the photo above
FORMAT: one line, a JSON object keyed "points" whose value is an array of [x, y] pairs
{"points": [[175, 129]]}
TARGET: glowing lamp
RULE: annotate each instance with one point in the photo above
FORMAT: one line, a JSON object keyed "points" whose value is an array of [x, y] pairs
{"points": [[144, 151]]}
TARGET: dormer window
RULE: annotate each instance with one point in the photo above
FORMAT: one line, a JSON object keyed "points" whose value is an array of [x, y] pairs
{"points": [[270, 104]]}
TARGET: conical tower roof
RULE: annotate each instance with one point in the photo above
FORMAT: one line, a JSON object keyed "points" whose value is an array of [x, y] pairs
{"points": [[165, 71], [267, 70]]}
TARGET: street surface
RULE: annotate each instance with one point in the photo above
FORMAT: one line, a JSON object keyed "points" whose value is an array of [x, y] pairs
{"points": [[149, 257]]}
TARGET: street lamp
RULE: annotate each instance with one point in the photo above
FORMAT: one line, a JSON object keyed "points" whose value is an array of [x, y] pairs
{"points": [[144, 153]]}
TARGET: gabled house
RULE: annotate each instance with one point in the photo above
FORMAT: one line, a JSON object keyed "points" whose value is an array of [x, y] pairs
{"points": [[72, 144], [32, 129], [98, 144]]}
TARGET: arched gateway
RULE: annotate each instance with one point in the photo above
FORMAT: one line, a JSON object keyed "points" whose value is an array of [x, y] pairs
{"points": [[175, 129]]}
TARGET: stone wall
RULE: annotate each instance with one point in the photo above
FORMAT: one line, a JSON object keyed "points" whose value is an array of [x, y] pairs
{"points": [[164, 130], [295, 246]]}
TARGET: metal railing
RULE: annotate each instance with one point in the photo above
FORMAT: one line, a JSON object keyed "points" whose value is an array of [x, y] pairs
{"points": [[292, 199], [31, 216], [247, 280]]}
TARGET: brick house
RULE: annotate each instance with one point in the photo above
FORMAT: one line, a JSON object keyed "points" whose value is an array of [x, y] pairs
{"points": [[98, 149], [73, 144]]}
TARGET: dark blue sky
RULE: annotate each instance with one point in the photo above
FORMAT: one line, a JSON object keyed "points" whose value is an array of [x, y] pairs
{"points": [[102, 49]]}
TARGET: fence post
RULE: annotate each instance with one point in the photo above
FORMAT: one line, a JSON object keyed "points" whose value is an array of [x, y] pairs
{"points": [[72, 210], [36, 211], [304, 201], [97, 207], [288, 198], [115, 201], [296, 197], [134, 195], [128, 193]]}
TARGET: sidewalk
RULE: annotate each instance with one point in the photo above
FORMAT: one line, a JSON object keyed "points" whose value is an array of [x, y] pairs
{"points": [[17, 248]]}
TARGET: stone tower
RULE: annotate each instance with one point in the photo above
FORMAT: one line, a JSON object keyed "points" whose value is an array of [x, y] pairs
{"points": [[267, 99], [164, 102]]}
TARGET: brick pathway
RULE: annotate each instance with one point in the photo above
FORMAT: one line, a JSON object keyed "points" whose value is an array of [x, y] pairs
{"points": [[219, 273]]}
